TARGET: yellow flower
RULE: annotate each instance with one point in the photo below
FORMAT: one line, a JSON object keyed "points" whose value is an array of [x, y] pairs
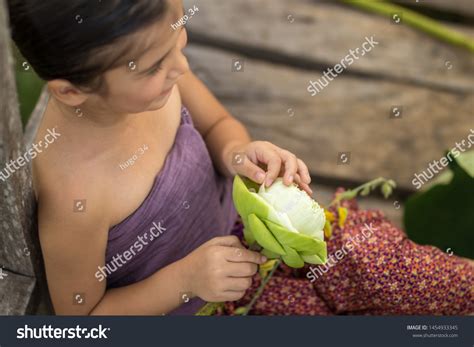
{"points": [[265, 268], [342, 211], [329, 216]]}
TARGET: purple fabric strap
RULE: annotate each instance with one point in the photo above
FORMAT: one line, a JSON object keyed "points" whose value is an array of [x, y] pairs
{"points": [[189, 204]]}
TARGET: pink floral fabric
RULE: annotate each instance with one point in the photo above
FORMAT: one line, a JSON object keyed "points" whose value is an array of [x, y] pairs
{"points": [[383, 273]]}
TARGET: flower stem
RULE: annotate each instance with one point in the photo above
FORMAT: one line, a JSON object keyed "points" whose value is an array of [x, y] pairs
{"points": [[418, 21], [209, 309], [260, 288], [349, 194]]}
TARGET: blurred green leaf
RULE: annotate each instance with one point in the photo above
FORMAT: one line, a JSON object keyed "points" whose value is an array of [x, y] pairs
{"points": [[443, 215], [29, 85], [466, 161]]}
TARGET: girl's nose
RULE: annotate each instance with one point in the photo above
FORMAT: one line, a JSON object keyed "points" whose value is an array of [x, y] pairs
{"points": [[181, 66]]}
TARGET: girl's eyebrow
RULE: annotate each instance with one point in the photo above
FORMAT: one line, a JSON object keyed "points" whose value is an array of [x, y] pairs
{"points": [[158, 63]]}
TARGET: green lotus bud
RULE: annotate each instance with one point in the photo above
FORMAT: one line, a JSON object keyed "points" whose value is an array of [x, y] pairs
{"points": [[283, 220]]}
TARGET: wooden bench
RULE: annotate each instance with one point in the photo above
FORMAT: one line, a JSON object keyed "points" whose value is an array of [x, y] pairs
{"points": [[22, 278]]}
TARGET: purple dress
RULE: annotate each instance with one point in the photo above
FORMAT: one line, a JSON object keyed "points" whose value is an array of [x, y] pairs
{"points": [[189, 204]]}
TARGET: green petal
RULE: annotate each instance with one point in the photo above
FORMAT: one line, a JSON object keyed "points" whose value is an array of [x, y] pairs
{"points": [[300, 242], [263, 236], [269, 254], [292, 258], [313, 259], [247, 233], [247, 202], [322, 253]]}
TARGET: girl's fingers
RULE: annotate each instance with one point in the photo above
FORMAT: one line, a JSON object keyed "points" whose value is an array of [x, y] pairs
{"points": [[228, 241], [303, 171], [248, 169], [232, 295], [291, 166], [237, 284], [242, 255], [273, 161], [241, 269], [303, 185]]}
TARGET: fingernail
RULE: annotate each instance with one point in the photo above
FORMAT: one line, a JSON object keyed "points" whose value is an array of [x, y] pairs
{"points": [[260, 176], [264, 259], [290, 178], [269, 182]]}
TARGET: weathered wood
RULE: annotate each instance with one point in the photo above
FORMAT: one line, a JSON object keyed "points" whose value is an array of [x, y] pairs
{"points": [[20, 251], [15, 212], [16, 294], [316, 35], [349, 115]]}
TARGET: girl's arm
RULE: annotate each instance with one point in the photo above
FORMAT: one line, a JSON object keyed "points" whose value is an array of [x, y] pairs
{"points": [[220, 130], [73, 246]]}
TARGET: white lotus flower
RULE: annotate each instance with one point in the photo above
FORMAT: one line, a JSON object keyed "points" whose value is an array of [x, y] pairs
{"points": [[283, 220]]}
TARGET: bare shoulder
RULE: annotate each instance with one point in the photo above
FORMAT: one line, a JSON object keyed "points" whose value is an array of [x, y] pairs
{"points": [[68, 183], [73, 223]]}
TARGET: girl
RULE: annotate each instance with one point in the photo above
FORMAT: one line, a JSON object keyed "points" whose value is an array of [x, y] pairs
{"points": [[134, 198]]}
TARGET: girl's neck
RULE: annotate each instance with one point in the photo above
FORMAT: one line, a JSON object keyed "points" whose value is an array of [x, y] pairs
{"points": [[84, 116]]}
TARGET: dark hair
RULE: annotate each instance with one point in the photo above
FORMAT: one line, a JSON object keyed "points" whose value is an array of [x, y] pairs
{"points": [[76, 40]]}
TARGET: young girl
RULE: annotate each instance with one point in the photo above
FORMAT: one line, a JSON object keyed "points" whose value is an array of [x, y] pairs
{"points": [[134, 197]]}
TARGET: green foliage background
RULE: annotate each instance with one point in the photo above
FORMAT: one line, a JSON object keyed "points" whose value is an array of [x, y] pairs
{"points": [[443, 215]]}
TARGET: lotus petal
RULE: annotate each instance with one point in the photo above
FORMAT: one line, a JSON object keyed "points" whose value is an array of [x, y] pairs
{"points": [[263, 236]]}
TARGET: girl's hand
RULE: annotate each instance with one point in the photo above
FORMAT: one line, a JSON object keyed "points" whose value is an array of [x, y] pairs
{"points": [[221, 269], [245, 161]]}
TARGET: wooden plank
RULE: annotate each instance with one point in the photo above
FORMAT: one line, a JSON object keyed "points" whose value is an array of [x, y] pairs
{"points": [[318, 35], [16, 294], [16, 210], [20, 250], [349, 115]]}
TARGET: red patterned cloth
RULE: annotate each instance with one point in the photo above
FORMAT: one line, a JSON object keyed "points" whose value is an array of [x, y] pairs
{"points": [[383, 273]]}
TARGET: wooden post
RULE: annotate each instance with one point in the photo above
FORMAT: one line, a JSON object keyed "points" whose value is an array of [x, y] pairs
{"points": [[22, 280]]}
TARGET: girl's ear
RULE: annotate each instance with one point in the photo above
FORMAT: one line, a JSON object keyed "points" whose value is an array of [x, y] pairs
{"points": [[66, 92]]}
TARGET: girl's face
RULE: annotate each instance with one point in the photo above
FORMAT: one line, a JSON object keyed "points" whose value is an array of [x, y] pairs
{"points": [[145, 83]]}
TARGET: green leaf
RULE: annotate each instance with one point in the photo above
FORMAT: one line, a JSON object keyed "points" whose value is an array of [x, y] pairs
{"points": [[240, 310], [386, 190], [365, 191], [443, 215], [466, 161], [209, 309]]}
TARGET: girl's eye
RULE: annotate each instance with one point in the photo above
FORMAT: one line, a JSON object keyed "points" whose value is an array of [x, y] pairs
{"points": [[154, 70]]}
